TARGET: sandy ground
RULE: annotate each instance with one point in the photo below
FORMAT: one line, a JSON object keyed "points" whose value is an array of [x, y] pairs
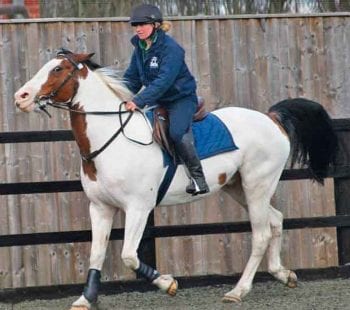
{"points": [[309, 295]]}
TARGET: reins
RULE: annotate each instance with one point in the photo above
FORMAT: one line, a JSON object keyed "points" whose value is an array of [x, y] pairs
{"points": [[93, 154], [64, 106]]}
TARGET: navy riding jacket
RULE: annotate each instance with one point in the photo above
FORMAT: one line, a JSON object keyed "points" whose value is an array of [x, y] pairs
{"points": [[161, 70]]}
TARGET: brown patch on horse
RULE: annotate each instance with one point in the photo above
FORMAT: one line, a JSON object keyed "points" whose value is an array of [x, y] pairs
{"points": [[56, 78], [78, 123], [273, 116], [78, 59], [222, 178]]}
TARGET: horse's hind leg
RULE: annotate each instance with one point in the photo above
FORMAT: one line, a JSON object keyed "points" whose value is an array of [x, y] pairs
{"points": [[101, 225], [275, 267], [288, 277], [258, 192], [135, 223], [261, 235]]}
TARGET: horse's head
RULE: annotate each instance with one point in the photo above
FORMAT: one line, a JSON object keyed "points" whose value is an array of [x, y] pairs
{"points": [[57, 81]]}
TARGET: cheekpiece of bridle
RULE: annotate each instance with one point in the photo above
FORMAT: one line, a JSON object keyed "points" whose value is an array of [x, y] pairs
{"points": [[45, 100]]}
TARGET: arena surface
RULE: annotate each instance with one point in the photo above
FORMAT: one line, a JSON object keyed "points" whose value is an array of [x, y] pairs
{"points": [[309, 295]]}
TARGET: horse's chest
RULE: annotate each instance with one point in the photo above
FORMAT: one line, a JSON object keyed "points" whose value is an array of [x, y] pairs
{"points": [[101, 192]]}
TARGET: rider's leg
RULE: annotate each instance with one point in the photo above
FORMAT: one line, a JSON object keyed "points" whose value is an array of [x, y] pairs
{"points": [[180, 118]]}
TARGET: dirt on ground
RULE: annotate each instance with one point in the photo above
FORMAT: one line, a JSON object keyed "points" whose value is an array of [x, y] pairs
{"points": [[309, 295]]}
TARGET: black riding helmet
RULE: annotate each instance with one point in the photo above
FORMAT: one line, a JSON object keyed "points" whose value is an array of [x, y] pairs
{"points": [[145, 14]]}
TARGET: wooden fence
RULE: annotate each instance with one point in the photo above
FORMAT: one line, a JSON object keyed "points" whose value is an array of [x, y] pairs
{"points": [[340, 172], [251, 62]]}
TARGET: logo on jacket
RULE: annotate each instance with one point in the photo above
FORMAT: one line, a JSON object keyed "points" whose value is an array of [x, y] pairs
{"points": [[154, 62]]}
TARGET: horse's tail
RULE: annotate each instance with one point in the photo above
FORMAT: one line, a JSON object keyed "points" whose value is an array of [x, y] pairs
{"points": [[312, 137]]}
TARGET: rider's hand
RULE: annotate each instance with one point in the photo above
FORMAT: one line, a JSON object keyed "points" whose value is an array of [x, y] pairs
{"points": [[130, 106]]}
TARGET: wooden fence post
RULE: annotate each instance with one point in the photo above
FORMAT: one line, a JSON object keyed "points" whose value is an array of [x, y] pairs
{"points": [[342, 189]]}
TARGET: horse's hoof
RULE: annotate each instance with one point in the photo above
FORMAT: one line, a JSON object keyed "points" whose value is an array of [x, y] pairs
{"points": [[231, 298], [292, 280], [172, 290]]}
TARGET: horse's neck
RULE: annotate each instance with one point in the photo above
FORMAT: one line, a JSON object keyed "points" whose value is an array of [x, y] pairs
{"points": [[94, 95], [94, 130]]}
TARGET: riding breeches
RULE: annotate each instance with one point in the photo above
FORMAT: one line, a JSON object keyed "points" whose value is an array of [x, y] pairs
{"points": [[180, 115]]}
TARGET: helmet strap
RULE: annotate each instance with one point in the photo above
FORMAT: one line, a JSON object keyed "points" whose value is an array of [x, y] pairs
{"points": [[153, 31]]}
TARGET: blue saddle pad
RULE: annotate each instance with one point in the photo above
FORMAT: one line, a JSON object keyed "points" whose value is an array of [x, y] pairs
{"points": [[212, 137]]}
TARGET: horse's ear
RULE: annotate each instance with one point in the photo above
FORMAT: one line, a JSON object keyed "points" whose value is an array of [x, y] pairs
{"points": [[83, 57]]}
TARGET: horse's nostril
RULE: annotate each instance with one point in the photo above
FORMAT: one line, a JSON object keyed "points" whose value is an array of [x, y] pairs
{"points": [[24, 95]]}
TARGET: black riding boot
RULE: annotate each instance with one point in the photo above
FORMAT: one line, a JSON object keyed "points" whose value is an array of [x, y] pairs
{"points": [[186, 151]]}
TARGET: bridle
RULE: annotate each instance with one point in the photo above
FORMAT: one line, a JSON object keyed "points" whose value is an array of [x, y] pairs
{"points": [[44, 100], [48, 100]]}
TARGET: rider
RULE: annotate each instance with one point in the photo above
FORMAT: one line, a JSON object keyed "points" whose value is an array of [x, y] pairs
{"points": [[158, 65]]}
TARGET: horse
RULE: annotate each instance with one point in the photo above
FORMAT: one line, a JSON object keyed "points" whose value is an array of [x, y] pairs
{"points": [[113, 164]]}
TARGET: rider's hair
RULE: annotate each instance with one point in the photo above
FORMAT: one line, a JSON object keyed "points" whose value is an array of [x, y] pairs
{"points": [[165, 26]]}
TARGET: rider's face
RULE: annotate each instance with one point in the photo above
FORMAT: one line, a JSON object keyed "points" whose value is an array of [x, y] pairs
{"points": [[143, 31]]}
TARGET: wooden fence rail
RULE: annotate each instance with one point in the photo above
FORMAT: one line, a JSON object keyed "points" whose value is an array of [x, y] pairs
{"points": [[338, 221]]}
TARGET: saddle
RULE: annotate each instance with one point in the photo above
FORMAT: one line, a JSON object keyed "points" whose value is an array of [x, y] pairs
{"points": [[161, 126]]}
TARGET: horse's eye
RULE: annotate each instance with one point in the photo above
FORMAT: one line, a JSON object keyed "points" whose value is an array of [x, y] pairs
{"points": [[57, 69]]}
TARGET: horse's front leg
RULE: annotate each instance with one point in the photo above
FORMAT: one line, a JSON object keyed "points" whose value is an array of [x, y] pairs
{"points": [[101, 224], [135, 223]]}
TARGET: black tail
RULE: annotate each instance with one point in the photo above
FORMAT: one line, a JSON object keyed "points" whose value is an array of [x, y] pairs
{"points": [[310, 130]]}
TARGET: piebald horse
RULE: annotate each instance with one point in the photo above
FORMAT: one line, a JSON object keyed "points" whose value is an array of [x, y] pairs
{"points": [[119, 173]]}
